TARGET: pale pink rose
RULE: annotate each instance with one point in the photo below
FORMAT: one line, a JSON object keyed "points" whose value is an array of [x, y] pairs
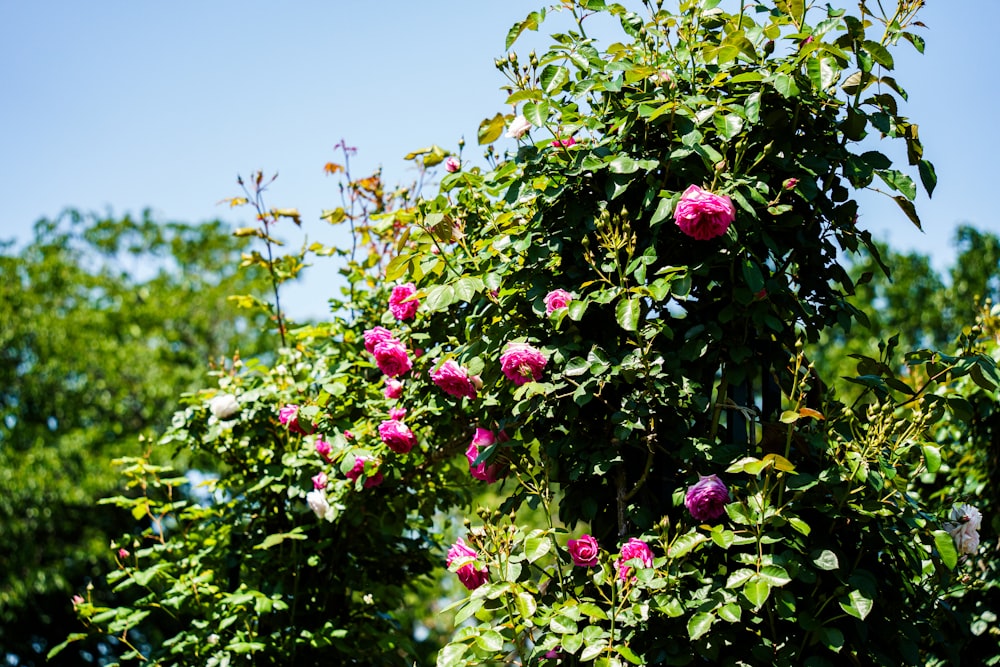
{"points": [[77, 600], [359, 468], [393, 388], [401, 308], [123, 553], [522, 363], [452, 164], [375, 336], [464, 557], [634, 548], [965, 528], [518, 127], [454, 380], [584, 551], [288, 416], [323, 449], [707, 498], [488, 473], [557, 299], [703, 215], [397, 436], [319, 481], [318, 503], [397, 413], [392, 358]]}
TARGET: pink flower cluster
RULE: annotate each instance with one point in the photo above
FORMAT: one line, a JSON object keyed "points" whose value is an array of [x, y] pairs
{"points": [[374, 479], [634, 549], [703, 215], [462, 561], [390, 354], [401, 302]]}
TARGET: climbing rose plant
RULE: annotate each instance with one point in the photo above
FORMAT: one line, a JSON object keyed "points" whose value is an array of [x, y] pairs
{"points": [[599, 339]]}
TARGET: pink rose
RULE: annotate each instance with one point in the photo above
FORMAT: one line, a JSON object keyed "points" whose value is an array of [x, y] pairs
{"points": [[323, 449], [557, 299], [965, 529], [564, 143], [703, 215], [402, 307], [123, 553], [392, 358], [78, 600], [632, 549], [359, 468], [584, 551], [488, 473], [375, 336], [288, 416], [393, 388], [397, 413], [464, 558], [348, 435], [397, 436], [707, 498], [522, 363], [518, 127], [452, 164], [319, 481], [454, 380], [790, 183]]}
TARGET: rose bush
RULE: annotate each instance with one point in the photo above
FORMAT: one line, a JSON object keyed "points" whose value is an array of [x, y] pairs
{"points": [[681, 354]]}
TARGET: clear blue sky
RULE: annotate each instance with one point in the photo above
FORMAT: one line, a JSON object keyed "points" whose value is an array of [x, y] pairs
{"points": [[121, 105]]}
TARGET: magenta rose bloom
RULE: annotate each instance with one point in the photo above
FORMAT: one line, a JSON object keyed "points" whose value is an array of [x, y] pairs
{"points": [[488, 473], [393, 388], [288, 416], [398, 304], [397, 436], [703, 215], [556, 299], [584, 551], [375, 336], [707, 498], [522, 363], [323, 449], [397, 413], [359, 468], [464, 557], [634, 548], [392, 358], [454, 380]]}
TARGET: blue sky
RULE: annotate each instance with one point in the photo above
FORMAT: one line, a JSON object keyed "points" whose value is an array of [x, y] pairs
{"points": [[120, 105]]}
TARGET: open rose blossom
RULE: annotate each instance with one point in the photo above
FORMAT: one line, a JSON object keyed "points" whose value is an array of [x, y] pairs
{"points": [[319, 481], [462, 561], [634, 548], [354, 473], [703, 215], [965, 528], [454, 380], [584, 551], [484, 438], [392, 358], [522, 363], [518, 127], [323, 449], [403, 309], [393, 388], [288, 416], [224, 406], [397, 436], [375, 336], [557, 299], [707, 498]]}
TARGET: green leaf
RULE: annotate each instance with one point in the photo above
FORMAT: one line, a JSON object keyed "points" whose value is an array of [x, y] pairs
{"points": [[467, 288], [591, 651], [740, 577], [927, 176], [576, 366], [627, 312], [784, 84], [623, 164], [685, 543], [757, 591], [471, 606], [753, 276], [799, 525], [728, 126], [490, 129], [932, 457], [531, 22], [536, 546], [663, 210], [490, 640], [592, 611], [946, 548], [562, 624], [899, 181], [858, 605], [525, 603], [752, 108], [826, 560], [451, 655], [879, 53], [74, 637], [909, 209], [439, 297], [537, 113], [699, 624], [730, 612], [775, 575], [626, 652], [553, 78], [272, 540]]}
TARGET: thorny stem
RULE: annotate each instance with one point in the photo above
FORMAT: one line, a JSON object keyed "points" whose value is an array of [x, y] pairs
{"points": [[266, 218]]}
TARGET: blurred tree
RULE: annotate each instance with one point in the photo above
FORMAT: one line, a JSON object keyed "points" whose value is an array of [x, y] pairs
{"points": [[103, 323]]}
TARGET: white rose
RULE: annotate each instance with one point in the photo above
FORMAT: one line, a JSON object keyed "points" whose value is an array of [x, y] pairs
{"points": [[965, 529], [224, 406], [317, 503], [518, 127]]}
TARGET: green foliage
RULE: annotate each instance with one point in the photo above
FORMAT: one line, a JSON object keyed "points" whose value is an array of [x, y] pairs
{"points": [[675, 356], [105, 322]]}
